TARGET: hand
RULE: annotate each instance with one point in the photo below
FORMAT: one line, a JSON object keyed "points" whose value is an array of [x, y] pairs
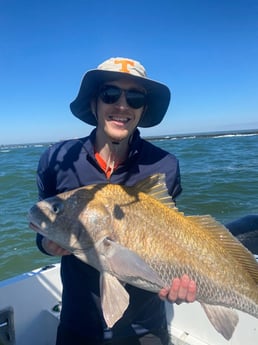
{"points": [[53, 248], [181, 290]]}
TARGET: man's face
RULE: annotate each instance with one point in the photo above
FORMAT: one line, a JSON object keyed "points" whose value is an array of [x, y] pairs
{"points": [[116, 118]]}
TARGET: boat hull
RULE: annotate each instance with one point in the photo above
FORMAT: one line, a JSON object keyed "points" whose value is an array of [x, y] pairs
{"points": [[35, 296]]}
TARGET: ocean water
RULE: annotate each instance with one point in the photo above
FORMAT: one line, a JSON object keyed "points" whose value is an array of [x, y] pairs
{"points": [[219, 177]]}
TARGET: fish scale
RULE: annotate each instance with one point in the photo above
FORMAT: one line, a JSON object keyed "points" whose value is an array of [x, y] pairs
{"points": [[174, 254]]}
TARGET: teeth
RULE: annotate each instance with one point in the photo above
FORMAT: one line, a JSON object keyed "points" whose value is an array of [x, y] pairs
{"points": [[120, 119]]}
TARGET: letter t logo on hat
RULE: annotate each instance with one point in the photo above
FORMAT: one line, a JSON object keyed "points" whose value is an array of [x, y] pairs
{"points": [[124, 63]]}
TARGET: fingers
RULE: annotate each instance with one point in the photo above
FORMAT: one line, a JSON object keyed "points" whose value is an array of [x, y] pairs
{"points": [[163, 293], [181, 290], [191, 293]]}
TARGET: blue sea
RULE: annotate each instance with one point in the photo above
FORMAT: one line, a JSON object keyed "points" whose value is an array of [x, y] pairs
{"points": [[219, 177]]}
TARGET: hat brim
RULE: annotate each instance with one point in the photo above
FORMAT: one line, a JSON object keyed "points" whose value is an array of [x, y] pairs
{"points": [[158, 97]]}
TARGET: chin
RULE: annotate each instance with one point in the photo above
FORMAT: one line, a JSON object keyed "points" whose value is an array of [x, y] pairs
{"points": [[118, 134]]}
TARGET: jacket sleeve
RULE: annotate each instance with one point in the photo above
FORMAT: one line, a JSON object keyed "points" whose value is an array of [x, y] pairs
{"points": [[46, 177], [173, 180], [45, 189]]}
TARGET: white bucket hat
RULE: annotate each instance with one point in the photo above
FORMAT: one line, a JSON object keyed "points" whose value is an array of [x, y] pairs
{"points": [[158, 95]]}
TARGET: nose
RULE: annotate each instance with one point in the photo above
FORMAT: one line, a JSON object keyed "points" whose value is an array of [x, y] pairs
{"points": [[121, 102]]}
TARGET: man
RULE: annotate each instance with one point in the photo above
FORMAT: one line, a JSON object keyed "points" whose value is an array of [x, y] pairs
{"points": [[116, 98]]}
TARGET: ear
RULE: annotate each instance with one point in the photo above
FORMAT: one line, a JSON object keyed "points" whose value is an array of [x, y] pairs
{"points": [[144, 109], [143, 113], [93, 106]]}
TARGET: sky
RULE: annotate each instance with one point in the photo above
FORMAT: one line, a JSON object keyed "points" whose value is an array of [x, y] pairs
{"points": [[205, 51]]}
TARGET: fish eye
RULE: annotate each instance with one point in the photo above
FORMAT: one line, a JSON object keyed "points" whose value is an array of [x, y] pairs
{"points": [[56, 207]]}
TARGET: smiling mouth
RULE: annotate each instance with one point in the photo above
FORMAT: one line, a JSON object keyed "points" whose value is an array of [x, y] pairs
{"points": [[119, 119]]}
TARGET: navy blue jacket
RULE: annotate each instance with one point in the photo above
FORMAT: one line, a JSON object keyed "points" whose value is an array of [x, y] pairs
{"points": [[72, 164]]}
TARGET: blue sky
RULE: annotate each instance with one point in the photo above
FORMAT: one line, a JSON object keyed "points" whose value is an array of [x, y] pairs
{"points": [[205, 51]]}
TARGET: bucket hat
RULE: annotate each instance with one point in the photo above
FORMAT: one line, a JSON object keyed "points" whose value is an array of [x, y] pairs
{"points": [[158, 94]]}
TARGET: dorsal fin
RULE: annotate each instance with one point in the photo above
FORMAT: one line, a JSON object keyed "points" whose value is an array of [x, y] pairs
{"points": [[229, 242], [155, 186]]}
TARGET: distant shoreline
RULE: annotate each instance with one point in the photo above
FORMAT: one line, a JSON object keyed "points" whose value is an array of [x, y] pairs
{"points": [[161, 137], [203, 134]]}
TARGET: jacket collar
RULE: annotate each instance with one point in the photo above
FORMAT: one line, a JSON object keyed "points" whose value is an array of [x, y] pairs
{"points": [[134, 146]]}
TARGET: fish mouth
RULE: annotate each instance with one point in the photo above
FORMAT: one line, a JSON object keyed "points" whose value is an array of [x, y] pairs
{"points": [[36, 227]]}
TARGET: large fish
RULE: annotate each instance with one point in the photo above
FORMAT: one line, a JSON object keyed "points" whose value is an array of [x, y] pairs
{"points": [[136, 235]]}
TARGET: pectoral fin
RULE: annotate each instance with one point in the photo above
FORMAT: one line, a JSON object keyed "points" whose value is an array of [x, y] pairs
{"points": [[114, 298], [223, 319], [128, 266]]}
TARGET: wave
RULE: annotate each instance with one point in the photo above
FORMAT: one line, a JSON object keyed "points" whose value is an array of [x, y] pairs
{"points": [[5, 151]]}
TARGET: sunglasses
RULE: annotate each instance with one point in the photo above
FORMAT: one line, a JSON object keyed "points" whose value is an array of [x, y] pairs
{"points": [[110, 94]]}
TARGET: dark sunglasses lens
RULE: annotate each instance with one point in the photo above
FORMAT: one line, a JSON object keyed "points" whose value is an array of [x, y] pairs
{"points": [[110, 94], [135, 98]]}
